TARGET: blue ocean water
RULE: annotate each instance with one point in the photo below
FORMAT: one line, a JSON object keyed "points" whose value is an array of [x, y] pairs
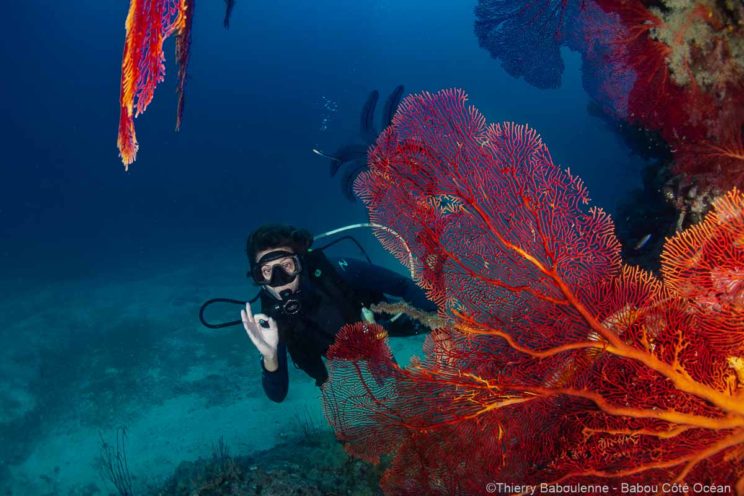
{"points": [[102, 272]]}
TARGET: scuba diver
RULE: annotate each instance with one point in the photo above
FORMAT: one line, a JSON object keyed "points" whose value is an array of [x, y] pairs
{"points": [[306, 298]]}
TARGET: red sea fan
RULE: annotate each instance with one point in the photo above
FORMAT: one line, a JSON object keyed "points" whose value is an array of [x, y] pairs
{"points": [[704, 266], [688, 83], [718, 158], [557, 363], [149, 23], [526, 35]]}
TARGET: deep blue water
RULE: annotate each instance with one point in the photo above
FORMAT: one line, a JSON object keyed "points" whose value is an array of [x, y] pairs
{"points": [[74, 225], [254, 112]]}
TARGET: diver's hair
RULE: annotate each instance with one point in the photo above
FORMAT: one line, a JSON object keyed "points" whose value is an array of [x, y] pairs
{"points": [[276, 235]]}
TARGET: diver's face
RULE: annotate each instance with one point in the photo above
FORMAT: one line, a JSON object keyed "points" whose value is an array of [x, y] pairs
{"points": [[267, 268]]}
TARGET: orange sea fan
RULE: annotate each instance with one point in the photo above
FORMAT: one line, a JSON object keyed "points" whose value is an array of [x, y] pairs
{"points": [[705, 265], [149, 23]]}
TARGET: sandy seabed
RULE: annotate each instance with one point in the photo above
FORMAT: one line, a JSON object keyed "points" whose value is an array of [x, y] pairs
{"points": [[81, 359]]}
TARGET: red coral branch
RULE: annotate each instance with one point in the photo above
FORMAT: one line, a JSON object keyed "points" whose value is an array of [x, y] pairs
{"points": [[559, 363], [149, 23], [688, 82]]}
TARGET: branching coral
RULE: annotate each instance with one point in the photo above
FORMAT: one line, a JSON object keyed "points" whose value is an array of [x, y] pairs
{"points": [[114, 465], [558, 363], [149, 23], [526, 36], [688, 59], [675, 67]]}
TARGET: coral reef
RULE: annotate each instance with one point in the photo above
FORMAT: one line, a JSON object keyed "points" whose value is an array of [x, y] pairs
{"points": [[673, 67], [558, 363], [688, 62]]}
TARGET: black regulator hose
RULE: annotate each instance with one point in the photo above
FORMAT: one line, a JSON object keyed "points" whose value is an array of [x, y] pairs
{"points": [[223, 300]]}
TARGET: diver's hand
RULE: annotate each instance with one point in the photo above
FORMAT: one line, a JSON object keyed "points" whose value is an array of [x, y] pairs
{"points": [[266, 339]]}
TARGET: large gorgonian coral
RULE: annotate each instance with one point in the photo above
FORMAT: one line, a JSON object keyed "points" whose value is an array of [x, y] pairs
{"points": [[557, 364], [149, 23], [526, 35]]}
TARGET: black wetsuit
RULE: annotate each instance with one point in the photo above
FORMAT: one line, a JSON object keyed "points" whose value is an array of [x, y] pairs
{"points": [[333, 293]]}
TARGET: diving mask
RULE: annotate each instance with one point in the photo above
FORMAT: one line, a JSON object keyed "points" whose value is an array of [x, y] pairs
{"points": [[276, 268]]}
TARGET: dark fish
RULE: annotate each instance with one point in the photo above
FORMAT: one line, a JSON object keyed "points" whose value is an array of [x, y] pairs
{"points": [[642, 242], [345, 154], [391, 105], [352, 159], [350, 173], [368, 117]]}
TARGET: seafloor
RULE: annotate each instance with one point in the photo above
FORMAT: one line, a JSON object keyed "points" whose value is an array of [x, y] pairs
{"points": [[85, 354]]}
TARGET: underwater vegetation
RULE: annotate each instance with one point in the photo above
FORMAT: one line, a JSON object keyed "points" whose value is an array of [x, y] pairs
{"points": [[310, 464], [674, 67], [114, 465], [552, 362], [351, 159], [149, 23], [688, 62]]}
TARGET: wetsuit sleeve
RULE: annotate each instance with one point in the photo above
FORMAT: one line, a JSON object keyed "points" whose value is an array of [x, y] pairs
{"points": [[276, 383], [363, 275]]}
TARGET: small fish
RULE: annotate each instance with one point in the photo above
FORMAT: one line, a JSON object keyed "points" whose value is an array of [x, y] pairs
{"points": [[642, 242], [323, 154], [367, 315]]}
